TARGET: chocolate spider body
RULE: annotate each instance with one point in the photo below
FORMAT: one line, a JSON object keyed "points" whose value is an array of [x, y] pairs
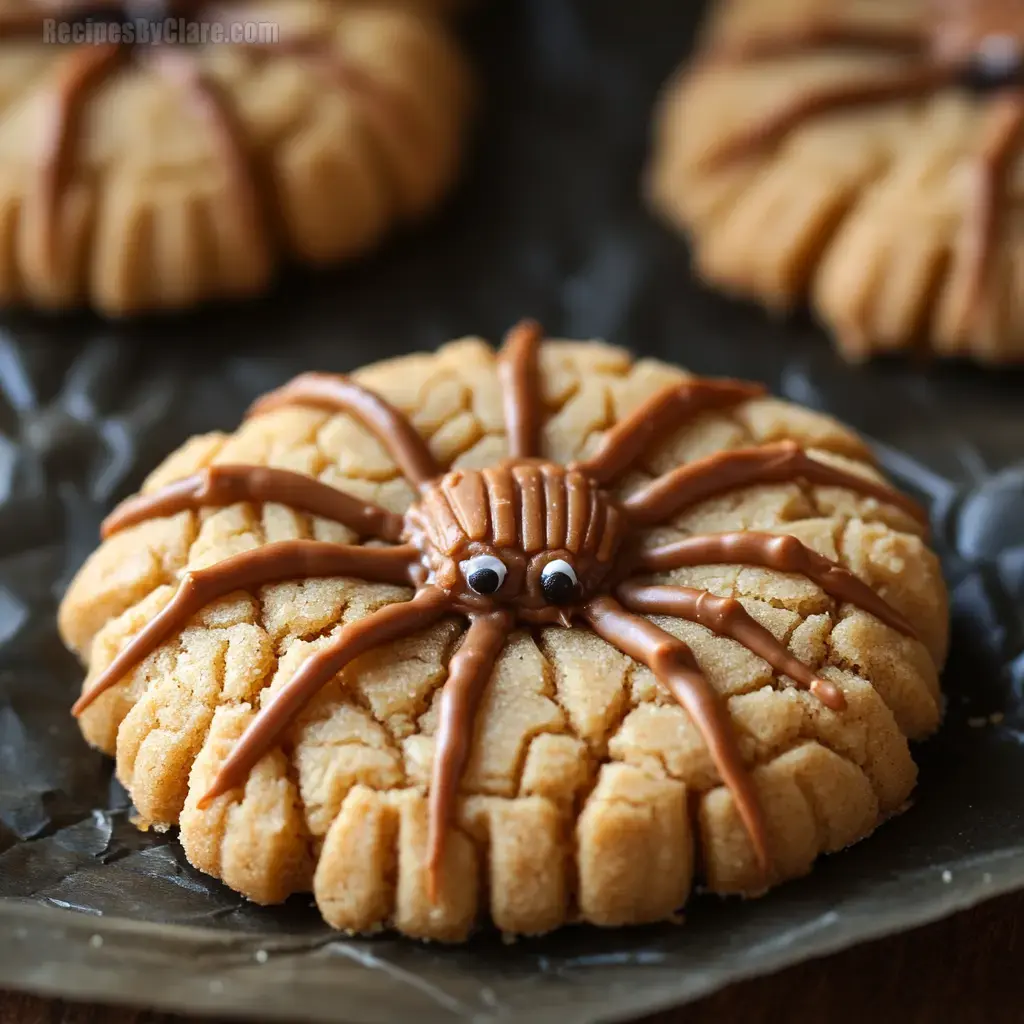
{"points": [[977, 44], [525, 534], [527, 542]]}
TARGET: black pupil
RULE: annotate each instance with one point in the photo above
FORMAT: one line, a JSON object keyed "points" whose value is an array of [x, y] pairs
{"points": [[558, 587], [484, 581]]}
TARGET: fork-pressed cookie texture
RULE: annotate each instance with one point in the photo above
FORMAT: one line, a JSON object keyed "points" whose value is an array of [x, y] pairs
{"points": [[588, 794], [139, 177], [865, 155]]}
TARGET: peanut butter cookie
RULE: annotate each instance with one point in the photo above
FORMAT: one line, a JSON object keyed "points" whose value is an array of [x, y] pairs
{"points": [[157, 169], [866, 154], [540, 637]]}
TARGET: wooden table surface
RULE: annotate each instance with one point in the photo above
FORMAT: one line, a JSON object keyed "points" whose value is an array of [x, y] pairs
{"points": [[968, 968]]}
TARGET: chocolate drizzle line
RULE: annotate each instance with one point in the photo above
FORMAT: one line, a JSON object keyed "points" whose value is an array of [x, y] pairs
{"points": [[272, 563], [780, 462], [819, 35], [83, 72], [218, 486], [392, 622], [219, 112], [674, 665], [1001, 139], [469, 672], [727, 617], [771, 129], [530, 511], [634, 435], [396, 115], [947, 47], [782, 552], [520, 386], [339, 394]]}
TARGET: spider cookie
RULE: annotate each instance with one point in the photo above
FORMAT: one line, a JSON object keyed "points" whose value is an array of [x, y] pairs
{"points": [[865, 154], [536, 637], [141, 172]]}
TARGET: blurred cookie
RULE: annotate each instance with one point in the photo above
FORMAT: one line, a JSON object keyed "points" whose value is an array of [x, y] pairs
{"points": [[435, 687], [146, 177], [865, 154], [443, 7]]}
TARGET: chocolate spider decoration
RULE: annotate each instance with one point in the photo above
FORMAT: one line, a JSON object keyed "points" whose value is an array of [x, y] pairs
{"points": [[526, 541], [88, 67], [976, 44]]}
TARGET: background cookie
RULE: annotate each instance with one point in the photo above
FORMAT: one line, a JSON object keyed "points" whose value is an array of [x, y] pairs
{"points": [[190, 174], [865, 154], [586, 784]]}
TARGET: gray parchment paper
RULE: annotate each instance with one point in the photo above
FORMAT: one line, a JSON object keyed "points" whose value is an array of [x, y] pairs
{"points": [[547, 224]]}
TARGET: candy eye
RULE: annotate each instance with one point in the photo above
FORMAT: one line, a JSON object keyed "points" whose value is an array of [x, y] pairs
{"points": [[559, 583], [484, 574], [996, 62]]}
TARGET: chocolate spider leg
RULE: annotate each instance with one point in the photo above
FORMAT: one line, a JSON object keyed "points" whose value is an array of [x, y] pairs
{"points": [[272, 563], [519, 376], [1002, 132], [349, 76], [727, 617], [29, 25], [779, 462], [392, 622], [214, 106], [82, 73], [23, 25], [226, 485], [674, 666], [781, 552], [318, 51], [771, 128], [654, 420], [389, 426], [819, 35], [469, 672]]}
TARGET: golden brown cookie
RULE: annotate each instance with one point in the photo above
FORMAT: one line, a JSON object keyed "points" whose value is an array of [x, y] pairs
{"points": [[537, 638], [146, 177], [864, 154]]}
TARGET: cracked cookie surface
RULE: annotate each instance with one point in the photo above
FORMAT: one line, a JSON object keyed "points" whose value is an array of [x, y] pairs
{"points": [[864, 155], [588, 794], [138, 178]]}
